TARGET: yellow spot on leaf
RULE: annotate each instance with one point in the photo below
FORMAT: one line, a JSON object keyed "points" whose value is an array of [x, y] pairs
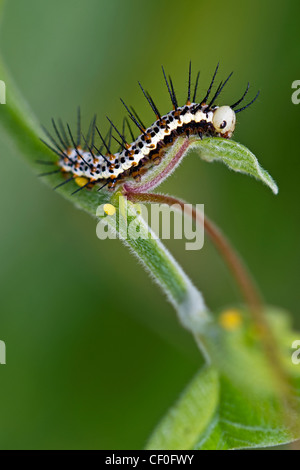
{"points": [[138, 208], [109, 209], [81, 181], [230, 319]]}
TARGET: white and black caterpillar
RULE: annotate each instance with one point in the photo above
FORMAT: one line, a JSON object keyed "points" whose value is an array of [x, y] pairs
{"points": [[88, 164]]}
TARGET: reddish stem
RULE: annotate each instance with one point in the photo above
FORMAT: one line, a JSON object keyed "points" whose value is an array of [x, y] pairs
{"points": [[232, 259]]}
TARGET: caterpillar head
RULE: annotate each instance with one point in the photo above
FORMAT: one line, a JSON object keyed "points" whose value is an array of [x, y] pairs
{"points": [[224, 121]]}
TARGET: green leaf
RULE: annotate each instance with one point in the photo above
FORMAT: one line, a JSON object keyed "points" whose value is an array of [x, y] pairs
{"points": [[181, 427], [237, 403], [236, 156]]}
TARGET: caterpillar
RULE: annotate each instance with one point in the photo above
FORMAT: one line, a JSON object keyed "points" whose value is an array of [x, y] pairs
{"points": [[88, 165]]}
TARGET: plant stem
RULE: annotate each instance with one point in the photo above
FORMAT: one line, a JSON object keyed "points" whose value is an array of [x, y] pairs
{"points": [[232, 259], [246, 286]]}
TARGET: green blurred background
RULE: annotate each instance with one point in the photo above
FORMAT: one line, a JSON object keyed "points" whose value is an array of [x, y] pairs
{"points": [[95, 355]]}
